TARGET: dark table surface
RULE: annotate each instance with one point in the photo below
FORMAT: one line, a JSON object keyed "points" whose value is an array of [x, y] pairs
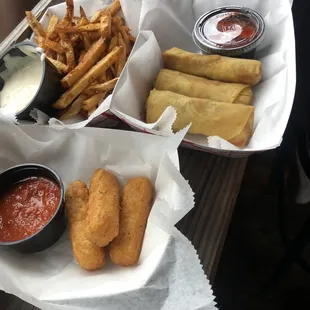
{"points": [[215, 180]]}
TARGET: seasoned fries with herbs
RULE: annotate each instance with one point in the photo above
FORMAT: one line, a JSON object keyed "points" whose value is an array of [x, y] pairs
{"points": [[89, 51]]}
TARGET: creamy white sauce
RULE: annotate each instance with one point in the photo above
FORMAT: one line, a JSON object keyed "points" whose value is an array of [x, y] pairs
{"points": [[22, 80]]}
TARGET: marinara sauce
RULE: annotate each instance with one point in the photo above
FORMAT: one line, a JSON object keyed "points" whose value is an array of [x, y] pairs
{"points": [[230, 29], [27, 207]]}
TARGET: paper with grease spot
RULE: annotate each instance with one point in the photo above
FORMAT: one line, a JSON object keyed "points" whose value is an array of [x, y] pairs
{"points": [[169, 23], [52, 279]]}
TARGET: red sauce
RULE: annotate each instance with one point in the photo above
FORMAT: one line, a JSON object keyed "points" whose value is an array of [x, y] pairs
{"points": [[230, 29], [27, 207]]}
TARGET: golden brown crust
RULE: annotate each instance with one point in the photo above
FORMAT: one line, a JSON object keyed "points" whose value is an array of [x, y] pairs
{"points": [[102, 222], [88, 255], [215, 67], [136, 202]]}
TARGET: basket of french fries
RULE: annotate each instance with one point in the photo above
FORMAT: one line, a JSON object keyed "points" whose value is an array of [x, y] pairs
{"points": [[89, 50]]}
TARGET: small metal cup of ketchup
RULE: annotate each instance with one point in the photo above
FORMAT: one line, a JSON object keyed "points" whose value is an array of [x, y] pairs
{"points": [[32, 214], [232, 31]]}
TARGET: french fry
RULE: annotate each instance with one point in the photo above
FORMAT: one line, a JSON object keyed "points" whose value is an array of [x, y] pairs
{"points": [[88, 78], [94, 36], [51, 54], [114, 7], [35, 25], [74, 108], [113, 30], [61, 58], [105, 25], [69, 51], [78, 29], [40, 41], [117, 21], [113, 43], [122, 59], [82, 13], [93, 101], [103, 77], [51, 27], [54, 46], [74, 38], [96, 17], [99, 88], [88, 61], [86, 39], [61, 67], [69, 13], [82, 54]]}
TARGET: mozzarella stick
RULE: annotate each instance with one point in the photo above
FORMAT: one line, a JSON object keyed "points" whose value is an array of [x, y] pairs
{"points": [[136, 202], [87, 254], [102, 221]]}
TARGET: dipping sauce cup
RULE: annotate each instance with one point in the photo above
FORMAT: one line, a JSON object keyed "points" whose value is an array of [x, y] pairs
{"points": [[32, 215], [27, 81], [232, 31]]}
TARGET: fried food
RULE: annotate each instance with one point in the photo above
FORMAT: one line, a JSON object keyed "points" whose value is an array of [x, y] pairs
{"points": [[61, 67], [232, 122], [102, 221], [214, 67], [136, 202], [193, 86], [86, 50], [82, 13], [120, 64], [105, 24], [88, 78], [90, 58], [67, 44], [35, 25], [75, 29], [74, 109], [55, 46], [51, 27], [99, 88], [88, 255], [93, 101], [118, 22]]}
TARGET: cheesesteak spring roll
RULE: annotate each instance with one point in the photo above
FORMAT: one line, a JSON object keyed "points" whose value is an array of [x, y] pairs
{"points": [[193, 86], [214, 67], [232, 122]]}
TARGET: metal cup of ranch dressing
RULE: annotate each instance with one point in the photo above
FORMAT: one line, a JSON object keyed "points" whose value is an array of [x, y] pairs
{"points": [[232, 31], [27, 81]]}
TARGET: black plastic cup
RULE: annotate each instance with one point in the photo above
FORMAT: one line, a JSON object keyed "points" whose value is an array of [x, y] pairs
{"points": [[53, 230], [50, 88]]}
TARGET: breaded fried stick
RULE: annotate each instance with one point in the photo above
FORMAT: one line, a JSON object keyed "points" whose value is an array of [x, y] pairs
{"points": [[88, 255], [102, 221], [135, 208]]}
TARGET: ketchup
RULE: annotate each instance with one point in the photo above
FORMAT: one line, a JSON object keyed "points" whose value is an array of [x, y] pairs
{"points": [[27, 207], [230, 29]]}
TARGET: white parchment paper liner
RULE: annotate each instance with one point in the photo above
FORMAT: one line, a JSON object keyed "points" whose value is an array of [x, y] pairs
{"points": [[168, 273], [172, 23]]}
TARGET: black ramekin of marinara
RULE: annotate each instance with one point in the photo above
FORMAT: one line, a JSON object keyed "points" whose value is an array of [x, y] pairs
{"points": [[32, 215]]}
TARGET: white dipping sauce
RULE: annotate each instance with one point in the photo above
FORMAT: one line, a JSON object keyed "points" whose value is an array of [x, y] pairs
{"points": [[21, 81]]}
